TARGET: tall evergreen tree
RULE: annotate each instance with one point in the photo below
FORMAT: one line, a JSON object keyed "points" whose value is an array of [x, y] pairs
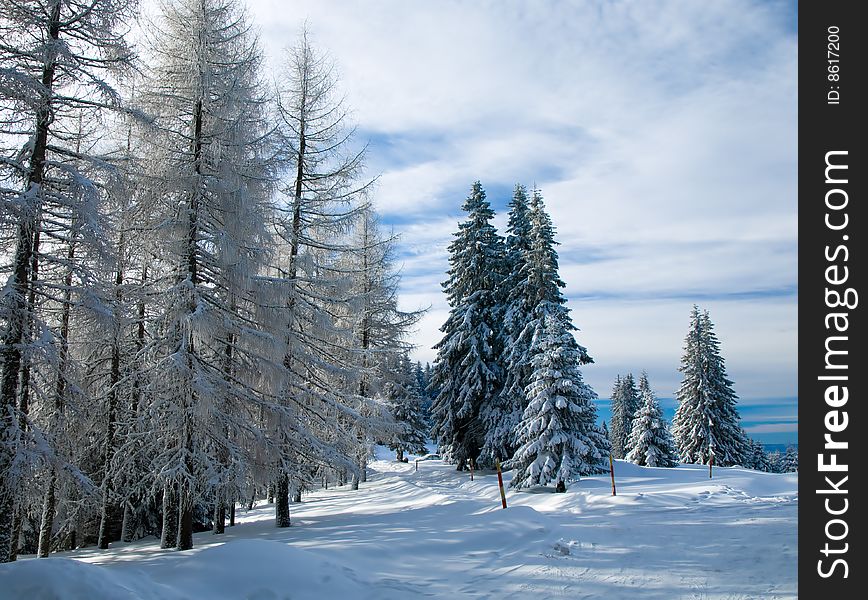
{"points": [[558, 436], [502, 415], [533, 291], [617, 429], [625, 403], [405, 404], [650, 441], [420, 383], [467, 373], [706, 421]]}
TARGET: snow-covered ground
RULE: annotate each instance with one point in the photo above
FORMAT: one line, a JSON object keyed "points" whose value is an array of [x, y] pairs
{"points": [[668, 534]]}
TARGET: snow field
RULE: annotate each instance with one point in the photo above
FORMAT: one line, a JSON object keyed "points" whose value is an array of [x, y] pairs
{"points": [[668, 534]]}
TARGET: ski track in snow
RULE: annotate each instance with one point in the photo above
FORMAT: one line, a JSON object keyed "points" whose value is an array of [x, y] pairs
{"points": [[668, 534]]}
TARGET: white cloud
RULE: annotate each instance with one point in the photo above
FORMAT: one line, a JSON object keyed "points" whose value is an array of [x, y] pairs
{"points": [[663, 135], [634, 335]]}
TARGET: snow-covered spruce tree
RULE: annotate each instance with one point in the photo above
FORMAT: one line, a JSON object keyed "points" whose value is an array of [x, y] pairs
{"points": [[617, 433], [431, 392], [632, 397], [420, 389], [209, 171], [537, 294], [756, 457], [650, 443], [558, 436], [402, 396], [775, 461], [55, 55], [790, 460], [625, 403], [502, 415], [571, 438], [706, 421], [467, 373]]}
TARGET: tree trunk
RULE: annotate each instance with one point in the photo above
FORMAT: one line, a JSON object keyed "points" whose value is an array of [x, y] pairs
{"points": [[363, 468], [130, 523], [111, 417], [47, 523], [170, 516], [281, 505], [185, 495], [219, 516], [185, 520], [16, 534], [297, 496], [232, 515]]}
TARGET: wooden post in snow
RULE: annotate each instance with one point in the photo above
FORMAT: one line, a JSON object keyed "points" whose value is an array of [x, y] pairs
{"points": [[612, 473], [417, 464], [710, 462], [500, 483], [470, 461]]}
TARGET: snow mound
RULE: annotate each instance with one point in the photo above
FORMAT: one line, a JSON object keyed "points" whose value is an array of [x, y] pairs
{"points": [[64, 578], [241, 569]]}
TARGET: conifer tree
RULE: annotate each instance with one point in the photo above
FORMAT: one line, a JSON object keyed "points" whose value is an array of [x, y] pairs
{"points": [[405, 404], [618, 433], [58, 60], [625, 403], [322, 400], [775, 460], [558, 436], [790, 460], [650, 441], [420, 382], [210, 175], [533, 288], [467, 373], [502, 415], [378, 349], [706, 421], [756, 457]]}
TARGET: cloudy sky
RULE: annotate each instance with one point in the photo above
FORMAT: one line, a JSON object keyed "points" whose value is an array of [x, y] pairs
{"points": [[661, 133]]}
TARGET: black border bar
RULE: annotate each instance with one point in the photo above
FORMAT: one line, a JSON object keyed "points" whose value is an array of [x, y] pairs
{"points": [[833, 222]]}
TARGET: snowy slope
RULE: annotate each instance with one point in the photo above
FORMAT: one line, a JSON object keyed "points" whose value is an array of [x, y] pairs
{"points": [[669, 533]]}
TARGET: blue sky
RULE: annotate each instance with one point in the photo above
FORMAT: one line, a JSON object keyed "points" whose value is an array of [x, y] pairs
{"points": [[661, 133]]}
